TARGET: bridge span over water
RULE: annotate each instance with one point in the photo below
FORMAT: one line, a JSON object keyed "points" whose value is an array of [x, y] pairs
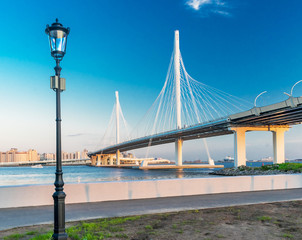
{"points": [[277, 118]]}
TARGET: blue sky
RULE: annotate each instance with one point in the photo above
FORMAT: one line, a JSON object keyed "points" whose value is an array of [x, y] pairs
{"points": [[241, 47]]}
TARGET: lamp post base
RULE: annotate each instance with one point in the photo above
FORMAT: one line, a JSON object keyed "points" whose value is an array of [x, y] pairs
{"points": [[60, 236], [59, 216]]}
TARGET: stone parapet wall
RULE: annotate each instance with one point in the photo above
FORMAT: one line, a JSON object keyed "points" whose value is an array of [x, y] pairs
{"points": [[38, 195]]}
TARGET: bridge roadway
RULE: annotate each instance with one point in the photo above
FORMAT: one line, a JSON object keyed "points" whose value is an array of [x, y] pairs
{"points": [[288, 112]]}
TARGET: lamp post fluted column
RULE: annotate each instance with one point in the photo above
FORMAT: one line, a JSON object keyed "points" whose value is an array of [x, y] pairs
{"points": [[59, 195], [58, 39]]}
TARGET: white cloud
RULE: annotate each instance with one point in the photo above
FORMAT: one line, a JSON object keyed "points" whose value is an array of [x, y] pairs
{"points": [[196, 4], [225, 13], [209, 6]]}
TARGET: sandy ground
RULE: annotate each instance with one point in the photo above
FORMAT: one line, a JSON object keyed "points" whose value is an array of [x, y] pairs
{"points": [[252, 222]]}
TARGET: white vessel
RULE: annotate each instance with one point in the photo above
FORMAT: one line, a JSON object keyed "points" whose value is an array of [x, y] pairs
{"points": [[228, 159], [37, 166]]}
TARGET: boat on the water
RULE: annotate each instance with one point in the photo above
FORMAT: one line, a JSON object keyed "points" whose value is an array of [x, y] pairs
{"points": [[37, 166], [228, 159]]}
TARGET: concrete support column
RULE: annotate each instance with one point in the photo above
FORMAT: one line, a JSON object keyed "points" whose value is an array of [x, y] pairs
{"points": [[98, 159], [93, 160], [110, 159], [239, 147], [118, 157], [278, 145], [104, 160], [178, 152]]}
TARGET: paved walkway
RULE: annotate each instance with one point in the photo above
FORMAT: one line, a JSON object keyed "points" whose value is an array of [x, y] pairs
{"points": [[16, 217]]}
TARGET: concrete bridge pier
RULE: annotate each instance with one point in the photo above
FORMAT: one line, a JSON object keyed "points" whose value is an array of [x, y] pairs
{"points": [[104, 159], [278, 142], [178, 152], [278, 145], [98, 159], [110, 159], [93, 160], [118, 162], [239, 147]]}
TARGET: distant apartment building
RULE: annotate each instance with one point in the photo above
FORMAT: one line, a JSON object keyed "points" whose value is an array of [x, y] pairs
{"points": [[70, 156], [66, 155], [48, 156], [14, 156], [77, 155], [84, 154]]}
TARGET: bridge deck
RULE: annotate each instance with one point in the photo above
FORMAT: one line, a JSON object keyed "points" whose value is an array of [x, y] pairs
{"points": [[154, 167], [287, 112]]}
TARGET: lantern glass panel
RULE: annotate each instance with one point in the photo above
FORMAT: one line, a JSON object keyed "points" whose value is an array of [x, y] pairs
{"points": [[57, 39]]}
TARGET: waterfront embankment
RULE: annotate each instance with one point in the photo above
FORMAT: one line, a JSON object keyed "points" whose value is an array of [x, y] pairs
{"points": [[39, 195], [269, 218]]}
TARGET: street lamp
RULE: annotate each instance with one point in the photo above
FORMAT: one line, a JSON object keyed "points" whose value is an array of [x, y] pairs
{"points": [[58, 40]]}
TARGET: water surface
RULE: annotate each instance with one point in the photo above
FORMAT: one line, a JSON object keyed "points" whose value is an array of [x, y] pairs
{"points": [[16, 176]]}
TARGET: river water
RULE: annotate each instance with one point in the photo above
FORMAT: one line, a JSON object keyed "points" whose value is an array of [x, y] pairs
{"points": [[16, 176]]}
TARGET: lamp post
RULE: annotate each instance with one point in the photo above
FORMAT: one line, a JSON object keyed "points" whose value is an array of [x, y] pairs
{"points": [[58, 39]]}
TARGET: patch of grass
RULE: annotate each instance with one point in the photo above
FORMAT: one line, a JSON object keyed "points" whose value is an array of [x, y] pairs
{"points": [[88, 230], [157, 224], [73, 232], [174, 226], [283, 167], [121, 235], [104, 235], [180, 231], [105, 223], [46, 236], [184, 222], [30, 233], [164, 216], [245, 168], [287, 235], [90, 227], [148, 227], [296, 167], [268, 167], [116, 229], [90, 236], [15, 236], [120, 220], [264, 218], [220, 236]]}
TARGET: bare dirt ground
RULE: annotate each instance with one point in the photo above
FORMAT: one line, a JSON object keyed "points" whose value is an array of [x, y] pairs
{"points": [[252, 222]]}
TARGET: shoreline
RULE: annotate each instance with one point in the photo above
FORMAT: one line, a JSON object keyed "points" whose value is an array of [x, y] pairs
{"points": [[274, 169]]}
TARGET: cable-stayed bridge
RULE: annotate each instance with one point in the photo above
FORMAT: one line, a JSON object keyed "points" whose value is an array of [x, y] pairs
{"points": [[186, 109]]}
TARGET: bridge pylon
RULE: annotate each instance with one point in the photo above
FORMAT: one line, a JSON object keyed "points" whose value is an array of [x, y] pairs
{"points": [[178, 142], [117, 109]]}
